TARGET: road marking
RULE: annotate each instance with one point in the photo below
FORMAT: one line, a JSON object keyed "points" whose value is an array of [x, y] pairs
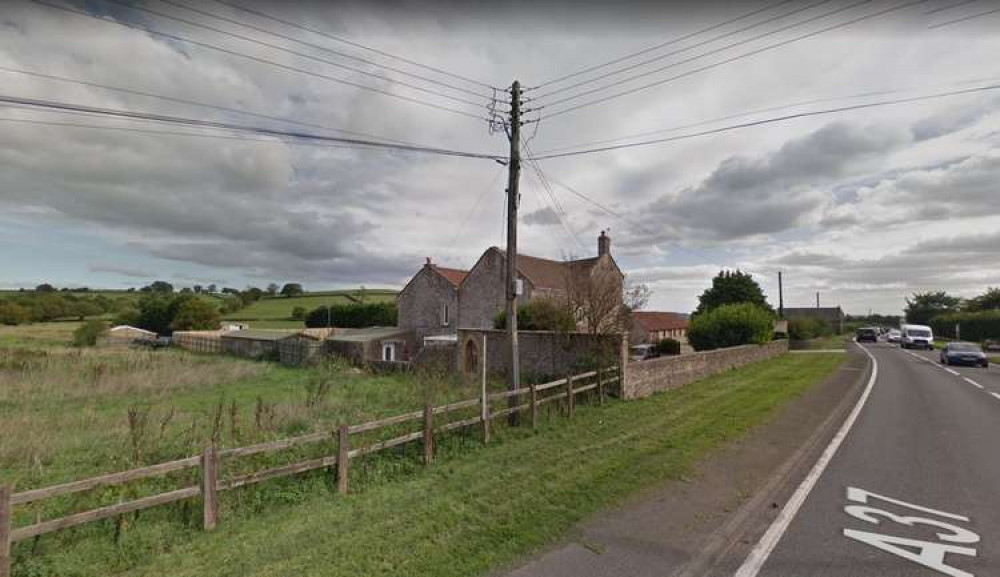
{"points": [[997, 395], [758, 556], [971, 382], [952, 371]]}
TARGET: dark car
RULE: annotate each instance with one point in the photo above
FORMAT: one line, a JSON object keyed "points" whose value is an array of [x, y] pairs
{"points": [[963, 354], [866, 334]]}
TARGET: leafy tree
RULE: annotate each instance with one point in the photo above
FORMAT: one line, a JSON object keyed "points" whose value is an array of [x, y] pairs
{"points": [[197, 288], [86, 335], [272, 289], [250, 296], [155, 313], [45, 288], [128, 315], [988, 301], [195, 315], [210, 288], [732, 287], [299, 313], [46, 307], [84, 309], [160, 287], [731, 325], [186, 291], [292, 289], [925, 306], [540, 315], [13, 314], [230, 291]]}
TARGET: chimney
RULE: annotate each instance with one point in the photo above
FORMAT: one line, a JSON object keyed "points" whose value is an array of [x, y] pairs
{"points": [[603, 244], [428, 261]]}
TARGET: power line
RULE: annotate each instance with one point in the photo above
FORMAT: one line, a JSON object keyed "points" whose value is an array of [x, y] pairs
{"points": [[258, 59], [964, 19], [48, 104], [352, 43], [711, 52], [324, 48], [774, 119], [550, 203], [560, 211], [738, 57], [475, 206], [684, 49], [662, 45], [294, 52], [750, 113], [186, 101], [949, 7]]}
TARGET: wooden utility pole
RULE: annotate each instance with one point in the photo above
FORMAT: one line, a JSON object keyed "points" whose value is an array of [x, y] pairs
{"points": [[513, 198], [781, 298]]}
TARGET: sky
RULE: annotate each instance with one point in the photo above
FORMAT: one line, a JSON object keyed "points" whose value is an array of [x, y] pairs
{"points": [[863, 206]]}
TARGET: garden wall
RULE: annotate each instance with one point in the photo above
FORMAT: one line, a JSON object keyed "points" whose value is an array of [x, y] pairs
{"points": [[542, 353], [643, 378]]}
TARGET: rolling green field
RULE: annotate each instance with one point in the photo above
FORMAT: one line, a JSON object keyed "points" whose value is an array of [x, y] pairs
{"points": [[280, 308], [75, 413]]}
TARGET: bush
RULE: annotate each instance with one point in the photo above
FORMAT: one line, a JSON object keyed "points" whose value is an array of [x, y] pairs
{"points": [[978, 326], [805, 328], [13, 314], [731, 325], [299, 313], [668, 347], [354, 315], [86, 335], [539, 315], [195, 315]]}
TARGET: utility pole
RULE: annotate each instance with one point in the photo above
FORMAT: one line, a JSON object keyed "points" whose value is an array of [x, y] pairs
{"points": [[817, 300], [513, 197], [781, 298]]}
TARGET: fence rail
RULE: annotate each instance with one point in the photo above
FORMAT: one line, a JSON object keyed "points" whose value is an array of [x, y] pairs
{"points": [[212, 460]]}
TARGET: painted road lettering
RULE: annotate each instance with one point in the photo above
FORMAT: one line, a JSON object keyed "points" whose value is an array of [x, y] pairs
{"points": [[930, 554]]}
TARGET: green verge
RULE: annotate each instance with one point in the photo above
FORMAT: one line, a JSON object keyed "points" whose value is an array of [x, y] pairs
{"points": [[824, 343], [477, 508]]}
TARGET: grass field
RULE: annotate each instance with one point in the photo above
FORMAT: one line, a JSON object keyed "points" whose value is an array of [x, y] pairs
{"points": [[475, 509], [830, 342], [280, 308]]}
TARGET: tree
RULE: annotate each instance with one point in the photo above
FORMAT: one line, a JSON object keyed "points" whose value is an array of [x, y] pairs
{"points": [[86, 335], [85, 309], [13, 313], [210, 288], [251, 295], [731, 287], [292, 289], [272, 289], [925, 306], [594, 296], [299, 313], [197, 289], [45, 288], [731, 325], [989, 300], [195, 315], [160, 287]]}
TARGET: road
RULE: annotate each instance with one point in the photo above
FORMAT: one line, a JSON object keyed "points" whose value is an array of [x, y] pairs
{"points": [[912, 490]]}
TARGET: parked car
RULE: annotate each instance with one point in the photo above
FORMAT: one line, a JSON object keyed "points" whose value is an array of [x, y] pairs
{"points": [[958, 353], [893, 336], [866, 334], [642, 352], [916, 337], [157, 343]]}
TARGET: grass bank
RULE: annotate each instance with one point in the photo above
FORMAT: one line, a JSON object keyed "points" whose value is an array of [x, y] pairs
{"points": [[830, 342], [475, 509]]}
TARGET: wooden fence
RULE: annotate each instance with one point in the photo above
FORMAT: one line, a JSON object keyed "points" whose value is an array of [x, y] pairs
{"points": [[434, 421]]}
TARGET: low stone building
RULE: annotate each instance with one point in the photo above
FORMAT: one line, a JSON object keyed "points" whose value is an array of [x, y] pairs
{"points": [[253, 344], [651, 327], [428, 304], [369, 345]]}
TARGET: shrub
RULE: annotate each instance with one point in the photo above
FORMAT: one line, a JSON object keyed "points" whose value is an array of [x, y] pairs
{"points": [[195, 315], [13, 314], [805, 328], [355, 315], [731, 325], [539, 315], [299, 313], [86, 335], [978, 326], [668, 347]]}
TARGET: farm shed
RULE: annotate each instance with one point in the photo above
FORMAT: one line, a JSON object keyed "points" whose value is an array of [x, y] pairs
{"points": [[374, 344], [198, 341], [304, 348], [123, 335], [253, 344]]}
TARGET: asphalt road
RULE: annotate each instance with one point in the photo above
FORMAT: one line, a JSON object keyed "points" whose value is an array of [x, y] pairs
{"points": [[914, 488]]}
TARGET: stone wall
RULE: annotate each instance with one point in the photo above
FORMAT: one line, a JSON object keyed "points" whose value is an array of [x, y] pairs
{"points": [[542, 353], [644, 378], [481, 295], [420, 304]]}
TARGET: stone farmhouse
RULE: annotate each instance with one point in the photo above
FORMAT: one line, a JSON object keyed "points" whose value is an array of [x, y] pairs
{"points": [[650, 327], [438, 301]]}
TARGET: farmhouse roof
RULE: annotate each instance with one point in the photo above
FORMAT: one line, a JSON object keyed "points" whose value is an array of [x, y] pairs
{"points": [[545, 273], [453, 275], [659, 321]]}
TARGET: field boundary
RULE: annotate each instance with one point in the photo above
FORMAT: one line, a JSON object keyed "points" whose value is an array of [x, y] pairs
{"points": [[433, 419]]}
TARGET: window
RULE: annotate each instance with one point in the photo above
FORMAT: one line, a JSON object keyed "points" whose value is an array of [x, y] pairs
{"points": [[445, 315], [389, 352]]}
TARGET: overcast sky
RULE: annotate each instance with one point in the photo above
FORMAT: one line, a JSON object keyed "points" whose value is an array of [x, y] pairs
{"points": [[864, 207]]}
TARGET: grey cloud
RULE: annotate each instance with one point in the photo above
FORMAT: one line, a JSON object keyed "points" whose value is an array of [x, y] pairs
{"points": [[541, 217], [119, 270]]}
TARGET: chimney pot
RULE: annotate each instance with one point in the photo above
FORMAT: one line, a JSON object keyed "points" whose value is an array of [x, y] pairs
{"points": [[428, 261], [603, 244]]}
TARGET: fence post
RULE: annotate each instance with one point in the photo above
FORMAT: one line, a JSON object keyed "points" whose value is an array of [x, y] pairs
{"points": [[570, 401], [5, 527], [600, 385], [343, 460], [428, 434], [534, 406], [209, 480], [484, 410]]}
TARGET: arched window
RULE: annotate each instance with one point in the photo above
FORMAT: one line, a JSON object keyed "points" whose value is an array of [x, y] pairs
{"points": [[471, 356]]}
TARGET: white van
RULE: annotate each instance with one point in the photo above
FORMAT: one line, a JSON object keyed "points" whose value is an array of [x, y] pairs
{"points": [[916, 337]]}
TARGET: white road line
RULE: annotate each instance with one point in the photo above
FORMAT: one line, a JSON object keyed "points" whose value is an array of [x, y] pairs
{"points": [[952, 371], [971, 382], [997, 395], [758, 556]]}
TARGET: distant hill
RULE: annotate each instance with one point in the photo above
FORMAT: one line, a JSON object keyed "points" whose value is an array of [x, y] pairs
{"points": [[280, 308]]}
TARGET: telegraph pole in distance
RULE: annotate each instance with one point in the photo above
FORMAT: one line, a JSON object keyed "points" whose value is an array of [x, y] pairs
{"points": [[513, 197]]}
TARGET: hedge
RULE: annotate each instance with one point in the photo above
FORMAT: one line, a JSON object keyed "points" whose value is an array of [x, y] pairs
{"points": [[731, 325], [974, 326], [354, 316], [539, 314], [805, 328]]}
